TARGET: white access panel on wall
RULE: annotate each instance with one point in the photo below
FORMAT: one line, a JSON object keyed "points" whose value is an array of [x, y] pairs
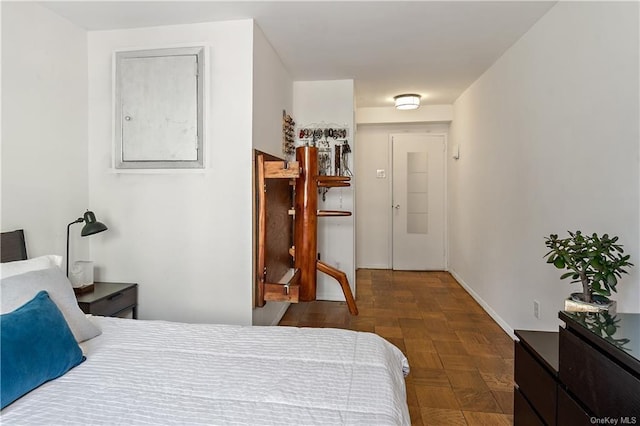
{"points": [[158, 111], [418, 193]]}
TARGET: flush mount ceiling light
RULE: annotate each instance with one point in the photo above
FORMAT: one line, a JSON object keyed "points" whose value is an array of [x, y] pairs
{"points": [[407, 101]]}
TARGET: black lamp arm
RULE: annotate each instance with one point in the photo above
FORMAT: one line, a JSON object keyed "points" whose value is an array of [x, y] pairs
{"points": [[78, 220]]}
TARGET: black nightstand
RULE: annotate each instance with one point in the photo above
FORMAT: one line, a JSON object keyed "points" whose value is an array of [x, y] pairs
{"points": [[110, 300]]}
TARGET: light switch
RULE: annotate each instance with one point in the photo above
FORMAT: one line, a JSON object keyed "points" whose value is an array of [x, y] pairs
{"points": [[380, 174], [455, 152]]}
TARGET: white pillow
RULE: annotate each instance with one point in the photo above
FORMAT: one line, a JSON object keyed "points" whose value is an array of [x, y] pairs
{"points": [[19, 289], [21, 266]]}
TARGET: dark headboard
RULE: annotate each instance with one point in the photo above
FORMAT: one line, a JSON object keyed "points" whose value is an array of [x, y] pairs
{"points": [[12, 246]]}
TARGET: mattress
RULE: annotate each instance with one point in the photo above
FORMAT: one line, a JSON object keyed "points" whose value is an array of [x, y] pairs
{"points": [[156, 373]]}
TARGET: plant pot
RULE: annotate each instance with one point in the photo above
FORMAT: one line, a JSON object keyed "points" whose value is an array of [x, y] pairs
{"points": [[574, 303]]}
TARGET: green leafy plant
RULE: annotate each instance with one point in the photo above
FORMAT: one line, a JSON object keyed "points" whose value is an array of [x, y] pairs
{"points": [[595, 262]]}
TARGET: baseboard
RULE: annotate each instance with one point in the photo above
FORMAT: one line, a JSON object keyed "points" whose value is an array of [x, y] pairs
{"points": [[280, 314], [331, 296], [502, 323], [374, 266], [269, 314]]}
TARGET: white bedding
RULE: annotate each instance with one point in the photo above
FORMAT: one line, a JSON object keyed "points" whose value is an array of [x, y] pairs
{"points": [[155, 373]]}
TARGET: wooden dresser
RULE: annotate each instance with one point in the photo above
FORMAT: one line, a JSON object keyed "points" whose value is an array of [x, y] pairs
{"points": [[588, 373], [536, 377], [600, 372]]}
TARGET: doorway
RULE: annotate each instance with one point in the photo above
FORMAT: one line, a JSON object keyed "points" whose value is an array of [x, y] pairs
{"points": [[418, 201]]}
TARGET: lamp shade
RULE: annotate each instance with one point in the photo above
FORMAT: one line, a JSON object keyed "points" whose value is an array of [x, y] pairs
{"points": [[92, 226], [407, 101]]}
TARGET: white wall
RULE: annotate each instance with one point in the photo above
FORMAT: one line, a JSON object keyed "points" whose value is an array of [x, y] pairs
{"points": [[272, 93], [424, 114], [331, 102], [44, 128], [549, 143], [373, 194], [184, 237]]}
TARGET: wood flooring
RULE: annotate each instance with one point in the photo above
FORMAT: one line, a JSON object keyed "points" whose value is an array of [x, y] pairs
{"points": [[461, 360]]}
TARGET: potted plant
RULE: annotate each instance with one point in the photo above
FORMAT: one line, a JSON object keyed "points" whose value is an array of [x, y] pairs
{"points": [[595, 262]]}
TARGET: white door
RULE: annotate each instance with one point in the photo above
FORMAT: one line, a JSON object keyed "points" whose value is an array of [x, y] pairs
{"points": [[418, 201]]}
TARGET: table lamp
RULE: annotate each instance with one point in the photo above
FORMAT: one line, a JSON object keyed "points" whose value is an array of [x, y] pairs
{"points": [[92, 226]]}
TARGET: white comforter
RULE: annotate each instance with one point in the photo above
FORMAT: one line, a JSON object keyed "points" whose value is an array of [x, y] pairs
{"points": [[155, 373]]}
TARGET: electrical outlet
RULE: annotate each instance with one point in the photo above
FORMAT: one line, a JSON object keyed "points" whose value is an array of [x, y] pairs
{"points": [[536, 309]]}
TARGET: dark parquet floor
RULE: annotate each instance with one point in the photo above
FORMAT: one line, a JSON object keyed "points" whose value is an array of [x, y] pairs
{"points": [[461, 360]]}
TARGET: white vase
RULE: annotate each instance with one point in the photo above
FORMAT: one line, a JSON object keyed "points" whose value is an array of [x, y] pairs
{"points": [[81, 273]]}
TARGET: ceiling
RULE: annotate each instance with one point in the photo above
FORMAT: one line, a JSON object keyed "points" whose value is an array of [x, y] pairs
{"points": [[433, 48]]}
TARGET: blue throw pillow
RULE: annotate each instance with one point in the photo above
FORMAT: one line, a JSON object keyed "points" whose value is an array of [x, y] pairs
{"points": [[37, 346]]}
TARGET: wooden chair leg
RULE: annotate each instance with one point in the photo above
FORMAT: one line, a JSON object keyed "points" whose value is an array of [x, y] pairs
{"points": [[341, 277]]}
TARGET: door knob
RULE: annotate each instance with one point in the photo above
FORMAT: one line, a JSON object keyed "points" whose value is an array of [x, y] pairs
{"points": [[397, 206]]}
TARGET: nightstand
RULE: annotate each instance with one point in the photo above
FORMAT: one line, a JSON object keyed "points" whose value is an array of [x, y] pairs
{"points": [[110, 300]]}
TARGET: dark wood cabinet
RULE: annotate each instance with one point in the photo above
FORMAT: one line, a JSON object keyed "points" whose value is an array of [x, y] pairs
{"points": [[599, 364], [588, 373], [110, 300], [536, 376], [570, 413], [527, 416]]}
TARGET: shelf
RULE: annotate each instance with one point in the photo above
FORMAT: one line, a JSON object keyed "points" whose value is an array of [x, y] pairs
{"points": [[327, 178], [281, 169], [326, 213], [288, 291], [333, 181], [333, 184]]}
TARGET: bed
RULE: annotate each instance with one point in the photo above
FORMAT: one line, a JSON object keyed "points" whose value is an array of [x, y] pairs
{"points": [[139, 372]]}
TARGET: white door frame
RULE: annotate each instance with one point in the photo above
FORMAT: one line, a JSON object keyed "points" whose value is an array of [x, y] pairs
{"points": [[446, 196]]}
